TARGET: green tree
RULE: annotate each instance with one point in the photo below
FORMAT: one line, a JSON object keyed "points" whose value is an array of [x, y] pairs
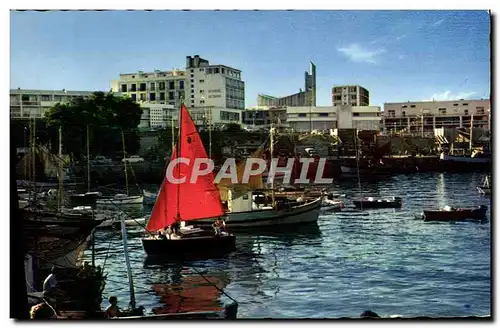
{"points": [[106, 117]]}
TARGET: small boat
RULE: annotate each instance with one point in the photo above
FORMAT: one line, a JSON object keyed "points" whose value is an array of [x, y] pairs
{"points": [[372, 202], [86, 199], [449, 213], [330, 204], [149, 197], [186, 202], [485, 188], [121, 199]]}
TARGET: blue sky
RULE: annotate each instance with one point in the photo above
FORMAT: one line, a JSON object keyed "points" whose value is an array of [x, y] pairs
{"points": [[396, 55]]}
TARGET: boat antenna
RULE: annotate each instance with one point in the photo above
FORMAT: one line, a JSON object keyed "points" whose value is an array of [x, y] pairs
{"points": [[125, 161], [271, 152], [357, 166], [88, 159], [60, 171]]}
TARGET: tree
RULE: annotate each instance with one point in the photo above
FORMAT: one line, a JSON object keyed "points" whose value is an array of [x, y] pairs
{"points": [[106, 116]]}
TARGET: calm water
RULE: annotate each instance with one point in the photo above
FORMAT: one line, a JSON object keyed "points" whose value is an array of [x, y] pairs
{"points": [[387, 261]]}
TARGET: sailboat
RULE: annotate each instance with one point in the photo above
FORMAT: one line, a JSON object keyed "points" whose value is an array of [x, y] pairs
{"points": [[122, 199], [485, 188], [182, 202]]}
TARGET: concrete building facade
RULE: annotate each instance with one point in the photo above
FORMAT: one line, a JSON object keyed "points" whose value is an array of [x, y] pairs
{"points": [[158, 87], [425, 116], [264, 117], [302, 98], [354, 95], [26, 104], [213, 85]]}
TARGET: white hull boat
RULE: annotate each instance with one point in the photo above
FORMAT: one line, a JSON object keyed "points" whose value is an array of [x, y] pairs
{"points": [[331, 204], [245, 213], [121, 199]]}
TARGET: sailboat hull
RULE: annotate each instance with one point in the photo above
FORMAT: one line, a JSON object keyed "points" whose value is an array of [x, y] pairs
{"points": [[203, 245], [307, 213]]}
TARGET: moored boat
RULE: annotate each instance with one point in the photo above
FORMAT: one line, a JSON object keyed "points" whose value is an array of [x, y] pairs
{"points": [[449, 213], [372, 202], [185, 201], [121, 199]]}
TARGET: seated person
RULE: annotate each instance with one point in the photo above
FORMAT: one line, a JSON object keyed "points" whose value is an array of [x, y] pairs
{"points": [[112, 311], [50, 284]]}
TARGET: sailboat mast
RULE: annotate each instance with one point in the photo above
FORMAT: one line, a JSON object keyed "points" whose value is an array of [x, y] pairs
{"points": [[34, 158], [125, 162], [59, 193], [470, 134], [88, 159], [173, 133], [127, 262], [178, 216], [210, 133], [271, 151]]}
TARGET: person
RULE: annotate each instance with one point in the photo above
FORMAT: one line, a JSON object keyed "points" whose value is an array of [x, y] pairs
{"points": [[176, 227], [42, 311], [217, 226], [50, 285], [86, 271], [160, 235], [112, 311]]}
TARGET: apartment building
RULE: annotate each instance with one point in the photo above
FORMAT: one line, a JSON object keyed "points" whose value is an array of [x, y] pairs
{"points": [[29, 104], [158, 87], [155, 116], [213, 85], [354, 95], [425, 116], [305, 119]]}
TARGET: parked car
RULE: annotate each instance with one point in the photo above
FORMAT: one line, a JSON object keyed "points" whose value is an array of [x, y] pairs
{"points": [[133, 159], [101, 160]]}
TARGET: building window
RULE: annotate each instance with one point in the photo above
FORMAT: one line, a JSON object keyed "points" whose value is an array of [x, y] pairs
{"points": [[404, 106], [202, 91], [353, 97], [171, 96], [56, 98], [192, 70], [442, 111], [181, 85], [465, 104], [323, 114], [201, 81], [202, 101], [162, 95], [192, 96], [45, 97], [133, 87], [133, 97], [455, 104], [133, 76], [412, 106], [124, 88], [222, 70], [142, 87], [201, 69], [480, 110], [216, 70], [152, 86], [161, 86], [152, 96], [192, 81], [142, 96], [403, 113], [466, 111], [192, 75], [302, 115], [355, 114]]}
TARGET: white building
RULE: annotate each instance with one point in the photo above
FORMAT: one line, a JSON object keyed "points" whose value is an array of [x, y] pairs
{"points": [[26, 104], [155, 116], [213, 85], [305, 119], [354, 95], [158, 87], [425, 116]]}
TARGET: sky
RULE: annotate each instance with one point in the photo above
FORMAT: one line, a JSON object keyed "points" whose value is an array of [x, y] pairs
{"points": [[397, 55]]}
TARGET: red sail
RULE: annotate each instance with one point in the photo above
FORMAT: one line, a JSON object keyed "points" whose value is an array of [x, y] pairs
{"points": [[191, 201]]}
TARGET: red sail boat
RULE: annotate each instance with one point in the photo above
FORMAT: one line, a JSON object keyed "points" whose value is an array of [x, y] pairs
{"points": [[177, 202]]}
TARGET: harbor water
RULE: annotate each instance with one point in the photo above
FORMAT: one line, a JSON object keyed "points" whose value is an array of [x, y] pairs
{"points": [[387, 260]]}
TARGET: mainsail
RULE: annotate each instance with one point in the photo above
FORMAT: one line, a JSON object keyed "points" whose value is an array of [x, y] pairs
{"points": [[186, 201]]}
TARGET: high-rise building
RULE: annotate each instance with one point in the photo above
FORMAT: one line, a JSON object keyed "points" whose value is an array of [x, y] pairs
{"points": [[213, 85], [354, 95], [302, 98]]}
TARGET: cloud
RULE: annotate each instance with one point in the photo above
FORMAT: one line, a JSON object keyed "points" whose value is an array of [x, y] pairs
{"points": [[357, 53], [401, 56], [447, 95], [402, 36], [437, 23]]}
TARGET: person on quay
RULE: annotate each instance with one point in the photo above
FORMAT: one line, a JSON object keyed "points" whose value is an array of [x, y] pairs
{"points": [[112, 311], [50, 284]]}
